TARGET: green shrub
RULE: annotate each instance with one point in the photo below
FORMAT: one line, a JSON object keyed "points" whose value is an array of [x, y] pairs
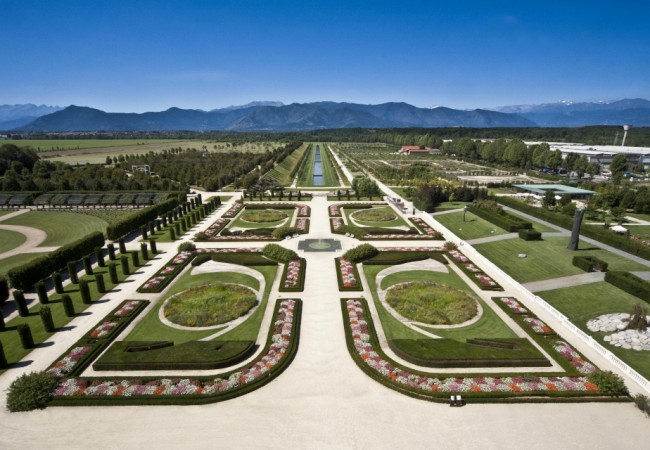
{"points": [[608, 382], [357, 232], [360, 253], [4, 290], [84, 290], [589, 263], [46, 317], [3, 358], [134, 221], [41, 291], [57, 282], [99, 282], [630, 283], [124, 261], [186, 247], [282, 232], [25, 334], [135, 259], [112, 273], [88, 267], [68, 305], [279, 253], [530, 235], [111, 252], [30, 391], [21, 303], [493, 213], [642, 402], [145, 250], [154, 248], [448, 245], [72, 272]]}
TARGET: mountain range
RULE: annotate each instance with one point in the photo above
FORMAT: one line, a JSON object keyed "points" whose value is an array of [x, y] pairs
{"points": [[276, 116]]}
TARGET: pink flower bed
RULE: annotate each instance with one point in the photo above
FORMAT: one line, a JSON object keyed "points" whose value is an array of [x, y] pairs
{"points": [[408, 249], [574, 357], [127, 309], [337, 223], [514, 305], [216, 227], [397, 236], [303, 211], [247, 237], [346, 268], [181, 258], [228, 250], [64, 366], [458, 256], [103, 330], [301, 224], [425, 227], [367, 353], [293, 273], [334, 210], [280, 339], [232, 212], [153, 283], [471, 268], [538, 326]]}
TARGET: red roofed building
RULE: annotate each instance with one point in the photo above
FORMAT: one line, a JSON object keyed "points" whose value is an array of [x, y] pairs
{"points": [[416, 150]]}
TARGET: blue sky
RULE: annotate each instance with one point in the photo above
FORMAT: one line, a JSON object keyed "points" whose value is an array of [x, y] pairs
{"points": [[146, 55]]}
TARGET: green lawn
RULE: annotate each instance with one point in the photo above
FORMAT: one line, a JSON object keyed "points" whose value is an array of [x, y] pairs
{"points": [[536, 225], [643, 231], [473, 228], [10, 240], [375, 212], [7, 264], [445, 206], [48, 145], [547, 259], [329, 172], [152, 329], [582, 303], [241, 223], [61, 227], [282, 172], [306, 174]]}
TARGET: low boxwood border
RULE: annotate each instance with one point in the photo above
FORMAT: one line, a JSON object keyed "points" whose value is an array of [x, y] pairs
{"points": [[301, 280], [443, 397], [629, 283], [199, 399], [339, 277], [168, 277], [475, 280]]}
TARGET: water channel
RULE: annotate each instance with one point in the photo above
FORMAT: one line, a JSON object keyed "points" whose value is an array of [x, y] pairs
{"points": [[318, 179]]}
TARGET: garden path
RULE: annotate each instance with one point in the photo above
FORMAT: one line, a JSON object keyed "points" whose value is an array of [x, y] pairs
{"points": [[565, 282]]}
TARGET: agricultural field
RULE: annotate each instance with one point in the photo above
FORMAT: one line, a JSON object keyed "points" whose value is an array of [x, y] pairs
{"points": [[58, 145]]}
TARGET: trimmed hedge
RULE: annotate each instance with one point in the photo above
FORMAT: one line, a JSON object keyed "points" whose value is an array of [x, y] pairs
{"points": [[361, 253], [592, 231], [136, 220], [630, 283], [4, 289], [402, 257], [589, 263], [24, 276], [505, 220], [529, 234], [279, 253]]}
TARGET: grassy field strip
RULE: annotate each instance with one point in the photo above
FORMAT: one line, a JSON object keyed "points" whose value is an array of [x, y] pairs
{"points": [[306, 174], [473, 228], [329, 173], [282, 172], [53, 145]]}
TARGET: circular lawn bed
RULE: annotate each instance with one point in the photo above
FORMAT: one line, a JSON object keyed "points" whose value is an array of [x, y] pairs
{"points": [[209, 305], [385, 214], [263, 215], [431, 303]]}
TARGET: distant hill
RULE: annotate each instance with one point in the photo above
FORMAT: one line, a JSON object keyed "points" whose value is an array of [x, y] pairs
{"points": [[634, 112], [273, 117], [14, 116]]}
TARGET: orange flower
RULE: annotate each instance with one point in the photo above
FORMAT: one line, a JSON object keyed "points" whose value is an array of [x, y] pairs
{"points": [[551, 387], [590, 386]]}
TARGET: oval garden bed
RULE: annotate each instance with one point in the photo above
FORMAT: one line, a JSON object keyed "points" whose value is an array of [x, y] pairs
{"points": [[431, 303], [263, 215], [209, 305], [384, 214]]}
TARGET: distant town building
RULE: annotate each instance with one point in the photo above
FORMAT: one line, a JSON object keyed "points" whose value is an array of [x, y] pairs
{"points": [[557, 189], [416, 150]]}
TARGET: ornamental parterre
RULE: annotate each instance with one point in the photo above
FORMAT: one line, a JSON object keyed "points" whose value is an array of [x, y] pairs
{"points": [[65, 365], [538, 326], [347, 273], [280, 341], [293, 273], [234, 210], [127, 309], [103, 330], [574, 357], [366, 352], [513, 305]]}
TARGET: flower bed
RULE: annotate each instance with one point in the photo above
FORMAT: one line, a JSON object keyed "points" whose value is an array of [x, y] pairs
{"points": [[216, 227], [347, 275], [279, 351], [165, 275], [425, 228], [362, 343], [304, 211], [513, 305], [228, 250], [302, 225], [479, 277], [336, 223], [538, 326], [79, 355], [233, 211], [574, 358], [293, 276], [335, 211]]}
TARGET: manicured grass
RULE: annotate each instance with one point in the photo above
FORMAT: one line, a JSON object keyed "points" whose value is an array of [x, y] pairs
{"points": [[382, 212], [536, 225], [473, 228], [432, 303], [447, 349], [10, 340], [10, 240], [106, 214], [306, 174], [152, 329], [2, 213], [7, 264], [445, 206], [241, 223], [547, 259], [61, 227], [282, 172], [208, 305], [643, 231], [329, 172], [582, 303], [263, 215]]}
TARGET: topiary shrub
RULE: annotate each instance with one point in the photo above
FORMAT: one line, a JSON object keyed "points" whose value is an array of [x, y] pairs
{"points": [[72, 272], [41, 291], [21, 303], [145, 250], [25, 334], [88, 268], [112, 273], [111, 252], [46, 317], [30, 391], [278, 253], [58, 283], [186, 247], [448, 245], [68, 305], [152, 244], [99, 282], [630, 283], [642, 402], [124, 261], [3, 358], [530, 235], [99, 256], [361, 252], [4, 290], [135, 259], [608, 382], [282, 232], [589, 263], [84, 290]]}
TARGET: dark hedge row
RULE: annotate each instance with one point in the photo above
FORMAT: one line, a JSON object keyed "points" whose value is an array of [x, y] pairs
{"points": [[592, 231], [23, 277], [361, 253], [589, 263], [505, 221], [530, 235], [630, 283], [140, 218], [279, 253]]}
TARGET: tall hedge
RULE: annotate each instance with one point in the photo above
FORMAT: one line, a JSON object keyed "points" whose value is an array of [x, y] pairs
{"points": [[24, 276], [279, 253], [140, 218], [589, 263], [4, 290], [361, 252], [502, 220], [630, 283]]}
